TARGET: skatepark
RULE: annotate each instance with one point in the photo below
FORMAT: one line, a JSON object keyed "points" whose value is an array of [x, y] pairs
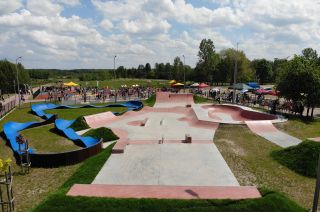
{"points": [[170, 146]]}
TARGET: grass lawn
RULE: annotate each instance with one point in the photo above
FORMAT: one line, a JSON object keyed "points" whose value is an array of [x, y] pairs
{"points": [[150, 101], [199, 99], [249, 158], [27, 189], [129, 82], [87, 171], [46, 139], [32, 188], [301, 128]]}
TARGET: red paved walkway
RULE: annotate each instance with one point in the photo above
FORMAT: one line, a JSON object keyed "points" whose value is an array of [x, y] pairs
{"points": [[164, 192]]}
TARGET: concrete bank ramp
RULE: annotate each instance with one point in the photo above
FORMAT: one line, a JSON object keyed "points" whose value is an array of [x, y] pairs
{"points": [[167, 99], [266, 130]]}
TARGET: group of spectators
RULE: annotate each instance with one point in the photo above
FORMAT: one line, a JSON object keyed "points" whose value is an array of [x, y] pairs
{"points": [[252, 99], [87, 94]]}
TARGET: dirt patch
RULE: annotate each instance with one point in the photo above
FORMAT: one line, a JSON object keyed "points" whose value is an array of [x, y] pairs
{"points": [[233, 147]]}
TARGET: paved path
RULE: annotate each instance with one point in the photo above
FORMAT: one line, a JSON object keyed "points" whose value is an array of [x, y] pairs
{"points": [[266, 130]]}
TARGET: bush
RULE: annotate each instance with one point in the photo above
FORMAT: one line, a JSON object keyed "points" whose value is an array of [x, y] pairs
{"points": [[200, 99], [150, 101], [79, 124], [302, 158], [105, 133]]}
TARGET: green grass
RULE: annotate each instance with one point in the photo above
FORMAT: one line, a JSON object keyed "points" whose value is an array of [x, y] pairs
{"points": [[70, 114], [79, 124], [105, 133], [129, 82], [301, 128], [150, 101], [46, 139], [302, 158], [248, 156], [271, 201], [198, 99], [32, 188]]}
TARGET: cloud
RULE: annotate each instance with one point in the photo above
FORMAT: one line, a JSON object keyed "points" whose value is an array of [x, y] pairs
{"points": [[106, 24], [145, 24], [151, 31], [44, 7], [9, 6], [70, 2]]}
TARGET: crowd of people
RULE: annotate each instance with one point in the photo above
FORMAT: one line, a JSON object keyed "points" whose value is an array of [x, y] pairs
{"points": [[89, 94], [273, 104]]}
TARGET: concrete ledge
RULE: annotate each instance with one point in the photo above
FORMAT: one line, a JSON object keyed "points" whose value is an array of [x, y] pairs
{"points": [[119, 147], [164, 192]]}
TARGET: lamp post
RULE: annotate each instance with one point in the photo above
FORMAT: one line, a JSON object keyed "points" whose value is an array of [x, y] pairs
{"points": [[18, 80], [114, 66], [235, 76], [184, 73]]}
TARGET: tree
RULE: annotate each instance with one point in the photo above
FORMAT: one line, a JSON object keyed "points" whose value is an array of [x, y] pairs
{"points": [[177, 69], [168, 69], [277, 68], [263, 70], [208, 61], [8, 75], [300, 80], [227, 63]]}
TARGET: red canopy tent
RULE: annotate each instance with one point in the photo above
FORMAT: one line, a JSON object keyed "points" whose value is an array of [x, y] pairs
{"points": [[262, 91], [203, 85]]}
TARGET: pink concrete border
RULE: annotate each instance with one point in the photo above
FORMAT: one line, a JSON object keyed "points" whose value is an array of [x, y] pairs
{"points": [[165, 192]]}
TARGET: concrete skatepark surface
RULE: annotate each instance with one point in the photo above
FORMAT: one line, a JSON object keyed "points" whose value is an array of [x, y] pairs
{"points": [[153, 152], [268, 131], [167, 164]]}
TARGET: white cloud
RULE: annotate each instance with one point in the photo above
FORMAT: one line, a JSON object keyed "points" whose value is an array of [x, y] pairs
{"points": [[141, 31], [146, 24], [9, 6], [70, 2], [106, 24], [44, 7]]}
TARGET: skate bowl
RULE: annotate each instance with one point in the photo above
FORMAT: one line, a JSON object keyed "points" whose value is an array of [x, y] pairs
{"points": [[235, 114]]}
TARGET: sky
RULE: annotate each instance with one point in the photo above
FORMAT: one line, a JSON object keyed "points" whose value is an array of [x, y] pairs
{"points": [[69, 34]]}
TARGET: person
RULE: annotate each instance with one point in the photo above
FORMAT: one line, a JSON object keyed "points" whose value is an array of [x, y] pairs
{"points": [[1, 107]]}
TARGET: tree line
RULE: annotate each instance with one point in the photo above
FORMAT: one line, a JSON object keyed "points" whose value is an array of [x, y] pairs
{"points": [[297, 79], [8, 76]]}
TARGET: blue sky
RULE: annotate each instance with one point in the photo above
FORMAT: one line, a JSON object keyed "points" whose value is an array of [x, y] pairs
{"points": [[70, 34]]}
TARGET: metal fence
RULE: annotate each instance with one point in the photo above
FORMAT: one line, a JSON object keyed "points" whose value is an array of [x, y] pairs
{"points": [[6, 108]]}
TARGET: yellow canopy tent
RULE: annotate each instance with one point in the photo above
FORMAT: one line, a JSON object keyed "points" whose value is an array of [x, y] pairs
{"points": [[172, 82], [178, 84], [70, 84]]}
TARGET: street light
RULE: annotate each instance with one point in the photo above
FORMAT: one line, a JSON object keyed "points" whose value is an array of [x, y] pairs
{"points": [[184, 73], [235, 76], [18, 79], [114, 66]]}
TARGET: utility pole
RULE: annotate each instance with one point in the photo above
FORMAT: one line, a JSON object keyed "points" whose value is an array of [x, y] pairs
{"points": [[235, 76], [18, 79], [184, 73], [114, 66]]}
